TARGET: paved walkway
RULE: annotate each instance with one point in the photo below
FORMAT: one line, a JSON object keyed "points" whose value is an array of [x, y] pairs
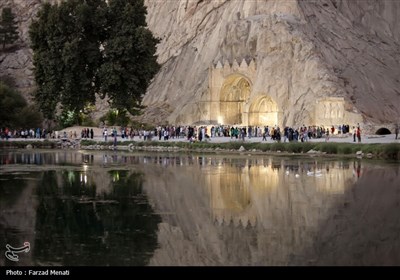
{"points": [[347, 139], [335, 138]]}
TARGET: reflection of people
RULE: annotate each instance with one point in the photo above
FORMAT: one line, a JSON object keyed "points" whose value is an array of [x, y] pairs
{"points": [[357, 169], [115, 141]]}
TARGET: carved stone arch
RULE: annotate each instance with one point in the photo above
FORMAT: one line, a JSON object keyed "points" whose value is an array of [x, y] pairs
{"points": [[235, 92], [263, 111]]}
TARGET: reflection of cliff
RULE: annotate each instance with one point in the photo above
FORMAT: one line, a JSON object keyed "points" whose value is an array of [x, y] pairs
{"points": [[238, 193], [363, 229], [215, 210], [240, 213]]}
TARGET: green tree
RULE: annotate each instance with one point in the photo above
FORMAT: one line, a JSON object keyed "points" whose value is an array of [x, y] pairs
{"points": [[86, 47], [8, 27], [129, 55], [14, 110], [66, 40]]}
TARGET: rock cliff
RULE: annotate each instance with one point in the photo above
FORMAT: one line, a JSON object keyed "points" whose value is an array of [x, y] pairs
{"points": [[308, 56], [304, 51], [17, 61]]}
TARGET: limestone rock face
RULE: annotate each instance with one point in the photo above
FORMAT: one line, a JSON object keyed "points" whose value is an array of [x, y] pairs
{"points": [[260, 62], [310, 56], [17, 63]]}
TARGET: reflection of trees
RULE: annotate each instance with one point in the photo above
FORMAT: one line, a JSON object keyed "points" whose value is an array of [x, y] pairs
{"points": [[9, 196], [76, 227]]}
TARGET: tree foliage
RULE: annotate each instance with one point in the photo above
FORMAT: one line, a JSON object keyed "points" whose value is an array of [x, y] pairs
{"points": [[14, 110], [86, 47], [8, 27]]}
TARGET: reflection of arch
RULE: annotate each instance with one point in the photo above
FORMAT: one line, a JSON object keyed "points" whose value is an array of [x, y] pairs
{"points": [[235, 197], [234, 93], [235, 192], [263, 111]]}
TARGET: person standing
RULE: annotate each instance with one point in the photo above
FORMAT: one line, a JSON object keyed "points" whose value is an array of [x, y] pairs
{"points": [[396, 131], [354, 133], [115, 141], [359, 134], [105, 134]]}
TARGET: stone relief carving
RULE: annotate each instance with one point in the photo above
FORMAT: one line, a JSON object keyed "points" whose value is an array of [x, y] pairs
{"points": [[331, 110], [327, 109]]}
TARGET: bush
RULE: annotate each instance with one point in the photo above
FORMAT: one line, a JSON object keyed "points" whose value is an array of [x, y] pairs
{"points": [[346, 150], [294, 147], [86, 121], [115, 117], [277, 147], [369, 148], [14, 110], [392, 151], [88, 142], [67, 119], [329, 148]]}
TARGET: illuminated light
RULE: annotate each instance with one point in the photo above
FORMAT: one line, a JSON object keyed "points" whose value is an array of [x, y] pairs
{"points": [[71, 177], [115, 176], [220, 119]]}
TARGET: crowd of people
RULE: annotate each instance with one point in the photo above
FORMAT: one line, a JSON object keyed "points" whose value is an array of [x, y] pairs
{"points": [[275, 133], [195, 133], [42, 133], [206, 133]]}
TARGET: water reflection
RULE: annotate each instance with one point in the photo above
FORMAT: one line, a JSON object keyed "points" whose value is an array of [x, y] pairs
{"points": [[79, 226], [106, 208], [77, 223]]}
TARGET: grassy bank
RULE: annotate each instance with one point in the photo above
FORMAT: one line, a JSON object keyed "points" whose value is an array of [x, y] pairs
{"points": [[386, 151], [23, 144]]}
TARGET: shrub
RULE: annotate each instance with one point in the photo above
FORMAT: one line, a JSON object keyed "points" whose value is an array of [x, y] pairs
{"points": [[345, 149], [67, 119], [329, 148], [392, 151], [115, 117], [294, 147], [277, 147]]}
